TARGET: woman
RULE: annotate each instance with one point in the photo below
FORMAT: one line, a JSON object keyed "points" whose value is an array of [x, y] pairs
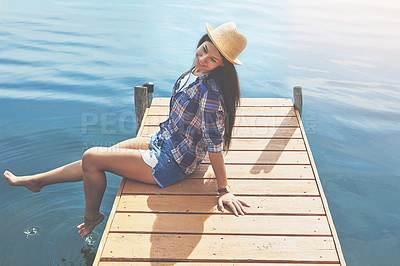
{"points": [[202, 113]]}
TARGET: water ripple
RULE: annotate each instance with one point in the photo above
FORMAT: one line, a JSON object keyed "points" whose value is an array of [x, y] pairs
{"points": [[77, 75], [68, 33], [67, 43], [5, 61], [52, 95]]}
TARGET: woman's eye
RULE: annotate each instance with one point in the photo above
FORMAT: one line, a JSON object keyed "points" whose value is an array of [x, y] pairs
{"points": [[213, 60], [204, 49]]}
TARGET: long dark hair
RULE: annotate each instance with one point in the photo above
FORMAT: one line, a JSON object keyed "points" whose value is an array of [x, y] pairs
{"points": [[227, 79]]}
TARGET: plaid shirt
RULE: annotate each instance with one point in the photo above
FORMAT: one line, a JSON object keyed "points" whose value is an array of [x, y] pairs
{"points": [[196, 122]]}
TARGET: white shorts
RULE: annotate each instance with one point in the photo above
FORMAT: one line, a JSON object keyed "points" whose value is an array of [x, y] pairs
{"points": [[148, 155]]}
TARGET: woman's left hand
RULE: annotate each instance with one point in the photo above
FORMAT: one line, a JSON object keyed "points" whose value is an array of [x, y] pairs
{"points": [[236, 205]]}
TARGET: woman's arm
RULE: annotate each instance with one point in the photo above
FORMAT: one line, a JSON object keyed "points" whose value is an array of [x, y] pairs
{"points": [[218, 165]]}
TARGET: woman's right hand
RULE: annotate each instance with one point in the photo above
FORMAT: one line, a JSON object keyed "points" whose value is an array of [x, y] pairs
{"points": [[235, 204]]}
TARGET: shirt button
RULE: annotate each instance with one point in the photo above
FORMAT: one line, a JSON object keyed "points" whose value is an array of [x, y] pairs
{"points": [[169, 160]]}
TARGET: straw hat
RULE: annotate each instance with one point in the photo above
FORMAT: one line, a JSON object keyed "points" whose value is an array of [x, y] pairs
{"points": [[228, 41]]}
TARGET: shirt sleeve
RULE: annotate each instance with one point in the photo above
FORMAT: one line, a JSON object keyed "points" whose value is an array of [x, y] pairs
{"points": [[212, 120]]}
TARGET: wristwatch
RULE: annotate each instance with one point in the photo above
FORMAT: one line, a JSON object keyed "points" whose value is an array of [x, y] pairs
{"points": [[226, 189]]}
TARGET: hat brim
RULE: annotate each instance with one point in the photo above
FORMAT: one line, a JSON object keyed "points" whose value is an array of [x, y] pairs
{"points": [[209, 30]]}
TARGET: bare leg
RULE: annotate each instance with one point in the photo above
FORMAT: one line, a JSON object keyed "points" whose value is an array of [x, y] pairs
{"points": [[97, 160], [68, 173]]}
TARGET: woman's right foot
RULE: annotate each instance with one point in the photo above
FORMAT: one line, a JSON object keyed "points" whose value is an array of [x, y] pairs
{"points": [[89, 224], [30, 182]]}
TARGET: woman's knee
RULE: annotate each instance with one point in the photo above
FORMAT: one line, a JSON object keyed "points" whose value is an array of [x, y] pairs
{"points": [[90, 158]]}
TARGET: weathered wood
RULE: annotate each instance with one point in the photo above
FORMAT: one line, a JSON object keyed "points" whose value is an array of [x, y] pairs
{"points": [[226, 247], [243, 101], [264, 157], [208, 204], [257, 171], [239, 187], [221, 224], [141, 103], [298, 99], [109, 224], [269, 166], [267, 144], [241, 111], [242, 121], [116, 263], [250, 132], [150, 90]]}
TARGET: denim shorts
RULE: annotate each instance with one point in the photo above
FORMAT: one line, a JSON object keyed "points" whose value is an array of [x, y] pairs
{"points": [[165, 170]]}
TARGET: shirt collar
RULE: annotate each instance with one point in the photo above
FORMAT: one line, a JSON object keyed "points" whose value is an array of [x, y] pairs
{"points": [[202, 77]]}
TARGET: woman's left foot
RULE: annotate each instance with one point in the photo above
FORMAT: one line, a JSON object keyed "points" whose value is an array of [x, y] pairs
{"points": [[89, 224], [30, 182]]}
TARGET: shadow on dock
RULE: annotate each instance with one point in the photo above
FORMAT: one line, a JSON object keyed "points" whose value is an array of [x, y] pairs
{"points": [[185, 233], [276, 140]]}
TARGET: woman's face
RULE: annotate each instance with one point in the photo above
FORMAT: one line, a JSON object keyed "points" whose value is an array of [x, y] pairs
{"points": [[207, 58]]}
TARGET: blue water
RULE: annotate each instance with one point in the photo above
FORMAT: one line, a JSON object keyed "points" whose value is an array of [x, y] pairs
{"points": [[67, 71]]}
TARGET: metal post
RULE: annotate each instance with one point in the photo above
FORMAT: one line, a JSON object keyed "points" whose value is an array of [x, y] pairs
{"points": [[141, 103], [298, 99]]}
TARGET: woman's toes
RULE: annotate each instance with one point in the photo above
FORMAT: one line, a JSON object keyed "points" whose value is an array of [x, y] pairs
{"points": [[6, 173]]}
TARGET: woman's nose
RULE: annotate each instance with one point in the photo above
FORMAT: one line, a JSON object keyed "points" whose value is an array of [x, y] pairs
{"points": [[203, 58]]}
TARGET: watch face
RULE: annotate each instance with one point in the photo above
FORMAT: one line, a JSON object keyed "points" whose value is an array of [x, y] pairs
{"points": [[227, 189]]}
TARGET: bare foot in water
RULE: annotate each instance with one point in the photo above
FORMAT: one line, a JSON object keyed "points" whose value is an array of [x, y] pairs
{"points": [[30, 182], [89, 224]]}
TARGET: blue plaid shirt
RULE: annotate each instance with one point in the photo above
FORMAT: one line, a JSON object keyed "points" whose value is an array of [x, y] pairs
{"points": [[196, 122]]}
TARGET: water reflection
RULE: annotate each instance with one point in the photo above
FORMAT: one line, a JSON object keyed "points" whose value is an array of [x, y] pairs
{"points": [[31, 232]]}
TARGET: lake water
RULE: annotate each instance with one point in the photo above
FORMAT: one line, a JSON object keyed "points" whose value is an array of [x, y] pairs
{"points": [[64, 62]]}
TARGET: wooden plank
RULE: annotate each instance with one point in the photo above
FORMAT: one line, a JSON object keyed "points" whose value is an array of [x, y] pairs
{"points": [[145, 117], [214, 247], [110, 220], [286, 222], [208, 204], [263, 157], [243, 101], [220, 224], [243, 121], [266, 132], [111, 216], [266, 102], [241, 111], [268, 144], [257, 171], [117, 263], [239, 187], [249, 132], [321, 191]]}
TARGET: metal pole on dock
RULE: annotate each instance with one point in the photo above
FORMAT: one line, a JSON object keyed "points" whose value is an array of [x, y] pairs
{"points": [[143, 98], [298, 99]]}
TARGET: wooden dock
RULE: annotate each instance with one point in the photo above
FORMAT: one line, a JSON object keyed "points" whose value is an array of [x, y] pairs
{"points": [[270, 166]]}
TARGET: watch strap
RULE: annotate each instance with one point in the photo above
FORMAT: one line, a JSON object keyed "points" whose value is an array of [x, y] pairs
{"points": [[226, 189]]}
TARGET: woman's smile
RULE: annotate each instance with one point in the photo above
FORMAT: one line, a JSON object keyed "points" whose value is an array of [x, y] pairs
{"points": [[207, 58]]}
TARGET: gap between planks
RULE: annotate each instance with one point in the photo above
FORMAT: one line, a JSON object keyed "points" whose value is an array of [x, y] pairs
{"points": [[116, 263]]}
